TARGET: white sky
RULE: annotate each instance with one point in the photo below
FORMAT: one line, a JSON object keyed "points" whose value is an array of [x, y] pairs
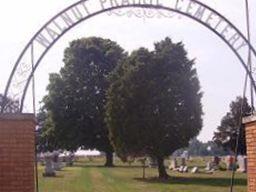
{"points": [[220, 73]]}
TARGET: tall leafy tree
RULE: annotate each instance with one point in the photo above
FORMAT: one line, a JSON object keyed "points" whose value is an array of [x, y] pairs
{"points": [[231, 125], [154, 103], [76, 97]]}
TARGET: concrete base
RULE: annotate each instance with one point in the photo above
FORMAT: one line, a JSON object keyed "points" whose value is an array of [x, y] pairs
{"points": [[49, 174]]}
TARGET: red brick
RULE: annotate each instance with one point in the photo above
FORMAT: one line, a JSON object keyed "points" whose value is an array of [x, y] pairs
{"points": [[250, 128], [17, 146]]}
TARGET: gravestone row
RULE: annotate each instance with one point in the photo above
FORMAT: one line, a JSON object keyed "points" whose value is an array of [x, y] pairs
{"points": [[212, 165]]}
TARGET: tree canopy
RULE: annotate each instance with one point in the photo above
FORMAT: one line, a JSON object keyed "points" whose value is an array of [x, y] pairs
{"points": [[76, 96], [230, 125], [154, 103]]}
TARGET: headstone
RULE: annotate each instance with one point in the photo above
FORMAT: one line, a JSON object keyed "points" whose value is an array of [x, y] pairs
{"points": [[64, 158], [180, 169], [152, 163], [195, 170], [216, 161], [209, 166], [230, 162], [49, 170], [185, 169], [173, 165], [242, 163], [70, 159], [56, 162], [183, 161]]}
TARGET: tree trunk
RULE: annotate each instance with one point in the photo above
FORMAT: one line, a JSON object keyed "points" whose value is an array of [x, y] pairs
{"points": [[161, 169], [109, 159]]}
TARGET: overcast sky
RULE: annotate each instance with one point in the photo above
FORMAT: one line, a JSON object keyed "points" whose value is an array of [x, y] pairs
{"points": [[220, 73]]}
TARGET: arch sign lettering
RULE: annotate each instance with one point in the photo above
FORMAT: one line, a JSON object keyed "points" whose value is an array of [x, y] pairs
{"points": [[55, 28]]}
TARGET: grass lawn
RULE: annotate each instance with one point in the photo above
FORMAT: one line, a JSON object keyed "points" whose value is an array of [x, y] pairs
{"points": [[87, 176]]}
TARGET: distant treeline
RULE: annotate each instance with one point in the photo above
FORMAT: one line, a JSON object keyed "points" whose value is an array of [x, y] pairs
{"points": [[198, 148]]}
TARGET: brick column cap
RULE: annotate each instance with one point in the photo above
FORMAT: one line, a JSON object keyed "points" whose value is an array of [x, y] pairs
{"points": [[18, 117], [249, 119]]}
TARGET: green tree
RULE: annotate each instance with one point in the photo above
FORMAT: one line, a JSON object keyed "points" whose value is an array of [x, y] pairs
{"points": [[198, 148], [230, 125], [46, 139], [195, 147], [215, 150], [76, 97], [210, 148], [8, 105], [154, 103]]}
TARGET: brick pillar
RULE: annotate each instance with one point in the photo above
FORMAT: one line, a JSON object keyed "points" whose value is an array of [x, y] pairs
{"points": [[250, 129], [17, 146]]}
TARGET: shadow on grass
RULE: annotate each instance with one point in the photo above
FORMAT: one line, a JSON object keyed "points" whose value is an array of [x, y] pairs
{"points": [[102, 166], [53, 177], [220, 182]]}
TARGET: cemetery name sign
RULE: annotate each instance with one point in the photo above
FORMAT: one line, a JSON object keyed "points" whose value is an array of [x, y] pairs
{"points": [[56, 27], [75, 14]]}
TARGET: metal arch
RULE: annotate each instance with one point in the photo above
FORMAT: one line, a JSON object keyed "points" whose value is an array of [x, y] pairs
{"points": [[151, 6]]}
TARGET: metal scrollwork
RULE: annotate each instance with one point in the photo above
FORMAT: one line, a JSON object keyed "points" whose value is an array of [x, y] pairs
{"points": [[142, 13]]}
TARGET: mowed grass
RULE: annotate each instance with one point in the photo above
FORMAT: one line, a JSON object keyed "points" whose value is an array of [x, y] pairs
{"points": [[87, 176]]}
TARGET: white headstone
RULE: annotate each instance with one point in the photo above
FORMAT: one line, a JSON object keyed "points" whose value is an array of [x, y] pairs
{"points": [[195, 170], [242, 163], [185, 169], [180, 169]]}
